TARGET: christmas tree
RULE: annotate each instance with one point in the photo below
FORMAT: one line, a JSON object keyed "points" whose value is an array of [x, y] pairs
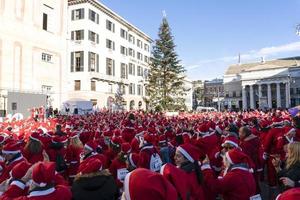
{"points": [[119, 100], [166, 86]]}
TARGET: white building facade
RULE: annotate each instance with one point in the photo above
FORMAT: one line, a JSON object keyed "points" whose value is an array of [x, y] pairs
{"points": [[106, 55], [267, 84], [32, 53], [189, 89]]}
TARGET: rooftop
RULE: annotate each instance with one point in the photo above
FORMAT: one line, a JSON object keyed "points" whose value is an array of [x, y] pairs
{"points": [[113, 15], [272, 64]]}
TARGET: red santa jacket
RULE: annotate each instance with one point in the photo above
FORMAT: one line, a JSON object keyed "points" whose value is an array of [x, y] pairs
{"points": [[14, 190], [237, 184], [73, 159], [9, 166], [59, 192], [251, 147], [269, 145], [207, 143], [117, 169]]}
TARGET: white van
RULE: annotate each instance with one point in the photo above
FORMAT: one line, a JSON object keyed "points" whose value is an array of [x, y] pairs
{"points": [[206, 109]]}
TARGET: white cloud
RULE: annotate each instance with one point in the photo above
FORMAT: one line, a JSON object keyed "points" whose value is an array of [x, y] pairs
{"points": [[251, 55]]}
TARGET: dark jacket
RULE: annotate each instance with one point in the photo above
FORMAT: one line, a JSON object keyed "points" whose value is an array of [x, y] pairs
{"points": [[100, 187], [292, 173]]}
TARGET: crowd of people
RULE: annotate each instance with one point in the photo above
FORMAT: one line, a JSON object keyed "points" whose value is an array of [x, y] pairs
{"points": [[150, 156]]}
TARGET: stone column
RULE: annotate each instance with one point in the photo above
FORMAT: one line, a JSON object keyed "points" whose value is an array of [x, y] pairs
{"points": [[244, 96], [269, 95], [287, 95], [259, 96], [251, 97], [278, 95]]}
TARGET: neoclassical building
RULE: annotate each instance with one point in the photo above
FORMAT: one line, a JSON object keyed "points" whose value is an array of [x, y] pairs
{"points": [[265, 84]]}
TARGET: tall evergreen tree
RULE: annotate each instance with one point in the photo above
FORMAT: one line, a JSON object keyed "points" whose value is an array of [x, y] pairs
{"points": [[166, 86]]}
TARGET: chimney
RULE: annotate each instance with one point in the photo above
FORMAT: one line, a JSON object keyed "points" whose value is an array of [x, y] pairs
{"points": [[263, 60], [239, 62]]}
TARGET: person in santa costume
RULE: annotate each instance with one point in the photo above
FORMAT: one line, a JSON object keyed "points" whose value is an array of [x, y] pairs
{"points": [[44, 185], [13, 156], [148, 156], [132, 161], [289, 175], [237, 182], [15, 186], [291, 194], [93, 182], [250, 145], [73, 153], [33, 150], [90, 150], [118, 167], [186, 158], [288, 137], [151, 186]]}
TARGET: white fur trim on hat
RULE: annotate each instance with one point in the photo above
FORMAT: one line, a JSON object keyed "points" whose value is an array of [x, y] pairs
{"points": [[10, 152], [35, 139], [39, 184], [185, 154], [229, 142], [126, 186], [41, 193], [277, 198], [88, 147], [205, 166], [19, 184]]}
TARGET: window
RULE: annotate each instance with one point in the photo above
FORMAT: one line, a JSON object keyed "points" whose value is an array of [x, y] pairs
{"points": [[124, 51], [234, 94], [46, 57], [77, 85], [139, 71], [77, 35], [110, 67], [78, 14], [131, 88], [146, 47], [140, 90], [110, 44], [146, 72], [93, 85], [77, 60], [131, 39], [93, 62], [131, 69], [93, 16], [139, 56], [123, 33], [45, 21], [122, 88], [131, 52], [110, 26], [297, 90], [146, 59], [94, 37], [124, 71], [139, 43]]}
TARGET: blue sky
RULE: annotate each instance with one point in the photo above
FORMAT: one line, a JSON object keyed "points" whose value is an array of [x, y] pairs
{"points": [[210, 34]]}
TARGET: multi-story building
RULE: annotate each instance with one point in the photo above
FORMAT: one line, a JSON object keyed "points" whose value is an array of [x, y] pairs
{"points": [[188, 97], [265, 84], [107, 54], [32, 54], [213, 93]]}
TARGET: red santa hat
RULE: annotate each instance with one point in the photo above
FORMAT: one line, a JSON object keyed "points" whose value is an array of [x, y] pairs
{"points": [[189, 151], [162, 139], [20, 170], [291, 194], [90, 165], [35, 136], [236, 156], [116, 141], [125, 147], [177, 178], [133, 159], [232, 140], [59, 139], [43, 173], [153, 184], [289, 130], [73, 135], [11, 148], [91, 145]]}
